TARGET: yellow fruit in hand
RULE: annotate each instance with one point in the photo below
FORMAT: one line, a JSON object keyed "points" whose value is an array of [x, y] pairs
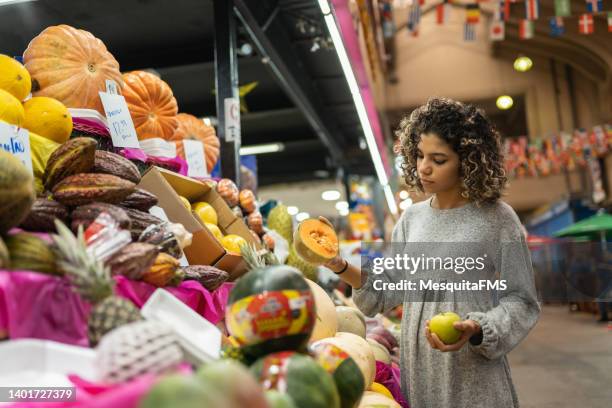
{"points": [[185, 203], [215, 230], [48, 117], [11, 110], [14, 77], [205, 212], [442, 325], [233, 242]]}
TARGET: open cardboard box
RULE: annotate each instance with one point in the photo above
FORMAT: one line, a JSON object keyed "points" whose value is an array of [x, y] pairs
{"points": [[205, 248]]}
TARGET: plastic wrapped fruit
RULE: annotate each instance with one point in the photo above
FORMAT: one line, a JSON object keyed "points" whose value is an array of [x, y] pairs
{"points": [[228, 190], [247, 201], [255, 222]]}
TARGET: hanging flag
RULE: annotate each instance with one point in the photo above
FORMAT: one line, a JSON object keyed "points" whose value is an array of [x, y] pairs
{"points": [[557, 28], [610, 21], [472, 13], [443, 12], [501, 10], [585, 24], [497, 30], [414, 18], [526, 29], [469, 32], [532, 9], [563, 8], [594, 6]]}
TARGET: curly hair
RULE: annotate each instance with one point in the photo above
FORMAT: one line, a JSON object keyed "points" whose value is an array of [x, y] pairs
{"points": [[470, 134]]}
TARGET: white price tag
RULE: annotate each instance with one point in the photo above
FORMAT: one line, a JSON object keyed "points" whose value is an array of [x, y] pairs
{"points": [[111, 87], [120, 122], [194, 155], [232, 119], [17, 142]]}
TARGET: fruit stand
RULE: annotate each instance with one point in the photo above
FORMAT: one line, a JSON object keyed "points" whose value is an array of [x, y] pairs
{"points": [[94, 232]]}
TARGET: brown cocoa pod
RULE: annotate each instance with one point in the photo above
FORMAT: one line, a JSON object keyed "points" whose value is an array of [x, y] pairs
{"points": [[163, 271], [117, 165], [140, 200], [133, 260], [86, 188], [208, 276], [41, 217], [74, 156], [86, 214], [140, 221]]}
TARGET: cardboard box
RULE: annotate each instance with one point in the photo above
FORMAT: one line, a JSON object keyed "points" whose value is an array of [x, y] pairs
{"points": [[205, 248]]}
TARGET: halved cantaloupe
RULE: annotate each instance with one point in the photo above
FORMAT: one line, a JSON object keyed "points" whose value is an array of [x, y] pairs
{"points": [[315, 241]]}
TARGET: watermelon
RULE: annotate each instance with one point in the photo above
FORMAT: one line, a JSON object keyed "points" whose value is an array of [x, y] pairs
{"points": [[182, 391], [271, 309], [306, 382], [345, 372], [277, 400]]}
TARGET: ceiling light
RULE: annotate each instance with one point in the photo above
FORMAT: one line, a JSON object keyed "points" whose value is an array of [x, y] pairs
{"points": [[293, 210], [262, 149], [7, 2], [331, 195], [504, 102], [324, 4], [245, 50], [404, 194], [405, 204], [302, 216], [390, 199], [344, 212], [342, 205], [523, 64]]}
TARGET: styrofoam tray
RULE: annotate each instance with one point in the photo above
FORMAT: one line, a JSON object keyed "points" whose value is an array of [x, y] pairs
{"points": [[158, 147], [200, 339], [90, 114], [43, 363]]}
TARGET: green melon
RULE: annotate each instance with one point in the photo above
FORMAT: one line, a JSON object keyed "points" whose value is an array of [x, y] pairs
{"points": [[306, 382], [280, 221], [182, 391], [277, 400], [16, 191]]}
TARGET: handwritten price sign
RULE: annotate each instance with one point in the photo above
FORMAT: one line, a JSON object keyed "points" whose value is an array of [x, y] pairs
{"points": [[120, 122], [17, 142], [194, 156]]}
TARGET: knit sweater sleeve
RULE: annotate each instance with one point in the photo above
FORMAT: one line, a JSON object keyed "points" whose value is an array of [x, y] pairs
{"points": [[371, 301], [509, 322]]}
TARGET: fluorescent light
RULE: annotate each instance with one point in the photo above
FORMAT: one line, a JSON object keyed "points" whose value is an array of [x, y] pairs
{"points": [[344, 212], [7, 2], [390, 199], [331, 195], [262, 149], [302, 216], [523, 64], [404, 194], [293, 210], [342, 205], [405, 204], [324, 7], [504, 102]]}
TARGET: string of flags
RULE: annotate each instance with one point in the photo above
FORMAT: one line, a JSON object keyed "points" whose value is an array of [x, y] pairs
{"points": [[501, 14]]}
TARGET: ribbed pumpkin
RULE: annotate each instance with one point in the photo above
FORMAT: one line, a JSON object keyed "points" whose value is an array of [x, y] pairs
{"points": [[151, 104], [14, 78], [71, 66], [11, 110], [190, 127], [16, 191]]}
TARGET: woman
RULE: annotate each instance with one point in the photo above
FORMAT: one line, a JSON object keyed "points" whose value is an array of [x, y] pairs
{"points": [[452, 152]]}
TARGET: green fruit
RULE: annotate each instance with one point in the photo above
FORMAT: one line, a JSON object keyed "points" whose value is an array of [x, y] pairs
{"points": [[309, 270], [181, 391], [442, 325], [271, 309], [16, 191], [277, 400], [306, 382], [30, 253], [280, 221]]}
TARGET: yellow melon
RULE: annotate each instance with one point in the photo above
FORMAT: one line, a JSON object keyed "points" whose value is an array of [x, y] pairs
{"points": [[11, 110], [215, 230], [48, 117], [205, 212], [14, 78], [232, 243], [326, 324]]}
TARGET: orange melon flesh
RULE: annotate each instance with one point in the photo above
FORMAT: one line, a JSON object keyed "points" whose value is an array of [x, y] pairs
{"points": [[315, 241]]}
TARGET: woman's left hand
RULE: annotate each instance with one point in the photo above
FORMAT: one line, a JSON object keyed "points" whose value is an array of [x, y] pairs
{"points": [[467, 327]]}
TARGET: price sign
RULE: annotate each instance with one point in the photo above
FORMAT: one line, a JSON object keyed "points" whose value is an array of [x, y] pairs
{"points": [[111, 87], [196, 161], [17, 142], [232, 119], [119, 120]]}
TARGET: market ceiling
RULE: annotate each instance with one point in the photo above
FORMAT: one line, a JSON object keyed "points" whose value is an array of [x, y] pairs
{"points": [[176, 39]]}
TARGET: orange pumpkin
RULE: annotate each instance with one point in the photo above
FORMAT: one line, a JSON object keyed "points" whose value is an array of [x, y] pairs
{"points": [[71, 66], [190, 127], [151, 104]]}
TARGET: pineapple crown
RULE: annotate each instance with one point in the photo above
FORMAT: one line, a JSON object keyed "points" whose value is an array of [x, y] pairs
{"points": [[90, 277], [254, 259]]}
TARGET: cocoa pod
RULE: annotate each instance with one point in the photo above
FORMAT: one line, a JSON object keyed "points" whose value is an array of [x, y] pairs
{"points": [[140, 200], [43, 214], [163, 270], [86, 188], [117, 165], [133, 260], [208, 276], [86, 214], [140, 221], [74, 156], [255, 222]]}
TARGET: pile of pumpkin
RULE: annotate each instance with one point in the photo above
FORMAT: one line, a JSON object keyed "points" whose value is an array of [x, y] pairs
{"points": [[67, 67]]}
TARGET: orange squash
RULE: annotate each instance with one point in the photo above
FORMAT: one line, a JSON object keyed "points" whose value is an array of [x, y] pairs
{"points": [[315, 241], [190, 127], [71, 66], [151, 104]]}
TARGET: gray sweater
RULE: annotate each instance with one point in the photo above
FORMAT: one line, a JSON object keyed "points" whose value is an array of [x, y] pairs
{"points": [[476, 375]]}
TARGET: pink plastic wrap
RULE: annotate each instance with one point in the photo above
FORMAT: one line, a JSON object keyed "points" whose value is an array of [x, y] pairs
{"points": [[34, 305], [389, 376]]}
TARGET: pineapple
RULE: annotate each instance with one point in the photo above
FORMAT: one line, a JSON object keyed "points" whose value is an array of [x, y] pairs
{"points": [[255, 259], [308, 270], [92, 280], [144, 347]]}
